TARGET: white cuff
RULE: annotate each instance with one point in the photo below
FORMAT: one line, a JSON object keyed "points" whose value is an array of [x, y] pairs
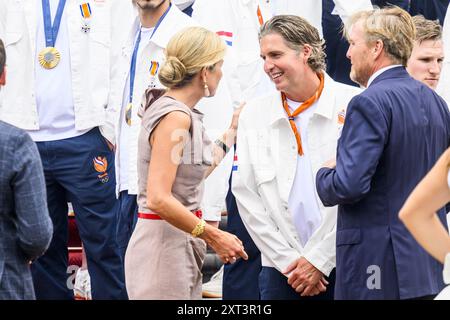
{"points": [[212, 214], [320, 261], [446, 271]]}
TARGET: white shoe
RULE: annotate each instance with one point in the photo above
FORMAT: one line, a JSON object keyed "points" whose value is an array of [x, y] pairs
{"points": [[82, 286], [213, 288]]}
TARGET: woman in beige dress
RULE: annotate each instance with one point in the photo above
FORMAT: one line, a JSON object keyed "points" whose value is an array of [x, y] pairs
{"points": [[166, 251], [419, 215]]}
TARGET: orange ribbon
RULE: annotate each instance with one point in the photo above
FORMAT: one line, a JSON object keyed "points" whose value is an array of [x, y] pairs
{"points": [[260, 17], [305, 105]]}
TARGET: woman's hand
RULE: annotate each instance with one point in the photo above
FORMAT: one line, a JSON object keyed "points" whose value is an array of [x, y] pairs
{"points": [[227, 246]]}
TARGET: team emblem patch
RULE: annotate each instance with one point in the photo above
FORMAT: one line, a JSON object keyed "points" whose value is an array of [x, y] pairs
{"points": [[101, 165], [341, 116]]}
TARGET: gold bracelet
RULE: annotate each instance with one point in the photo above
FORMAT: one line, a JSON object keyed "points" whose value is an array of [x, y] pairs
{"points": [[199, 228]]}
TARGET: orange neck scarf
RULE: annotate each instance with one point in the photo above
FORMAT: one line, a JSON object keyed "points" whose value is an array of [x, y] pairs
{"points": [[305, 105]]}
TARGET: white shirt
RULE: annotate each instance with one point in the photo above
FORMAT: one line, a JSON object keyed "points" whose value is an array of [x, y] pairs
{"points": [[379, 72], [54, 98], [303, 198], [448, 178], [125, 131]]}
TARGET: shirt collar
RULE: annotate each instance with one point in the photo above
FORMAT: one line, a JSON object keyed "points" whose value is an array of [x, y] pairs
{"points": [[325, 104], [379, 72], [165, 30]]}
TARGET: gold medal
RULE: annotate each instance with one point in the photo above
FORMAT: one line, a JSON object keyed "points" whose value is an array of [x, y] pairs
{"points": [[49, 57]]}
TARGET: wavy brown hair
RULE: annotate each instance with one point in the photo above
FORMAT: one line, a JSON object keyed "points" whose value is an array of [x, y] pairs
{"points": [[297, 32]]}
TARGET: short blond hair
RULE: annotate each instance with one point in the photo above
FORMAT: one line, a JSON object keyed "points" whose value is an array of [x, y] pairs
{"points": [[427, 29], [187, 53], [393, 26], [296, 32]]}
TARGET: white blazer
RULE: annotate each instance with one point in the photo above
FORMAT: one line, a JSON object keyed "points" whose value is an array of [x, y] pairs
{"points": [[267, 161], [92, 56], [244, 78]]}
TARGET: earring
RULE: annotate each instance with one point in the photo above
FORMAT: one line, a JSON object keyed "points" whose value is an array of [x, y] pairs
{"points": [[206, 90]]}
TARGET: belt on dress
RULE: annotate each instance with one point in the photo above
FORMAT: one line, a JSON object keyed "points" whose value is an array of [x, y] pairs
{"points": [[154, 216]]}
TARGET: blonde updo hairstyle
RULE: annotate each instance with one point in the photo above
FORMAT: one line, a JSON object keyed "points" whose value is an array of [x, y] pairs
{"points": [[187, 53]]}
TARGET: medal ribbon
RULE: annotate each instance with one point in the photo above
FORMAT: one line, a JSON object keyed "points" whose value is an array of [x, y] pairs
{"points": [[85, 10], [51, 32], [305, 105], [135, 51]]}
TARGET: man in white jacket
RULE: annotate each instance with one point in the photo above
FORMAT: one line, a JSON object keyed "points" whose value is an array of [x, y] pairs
{"points": [[238, 23], [62, 53], [283, 139]]}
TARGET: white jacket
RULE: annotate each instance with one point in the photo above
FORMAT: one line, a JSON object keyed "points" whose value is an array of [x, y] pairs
{"points": [[243, 69], [91, 55], [267, 161], [154, 51]]}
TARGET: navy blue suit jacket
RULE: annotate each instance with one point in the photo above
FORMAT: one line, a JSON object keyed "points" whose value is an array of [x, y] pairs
{"points": [[430, 9], [393, 134], [25, 225], [404, 4]]}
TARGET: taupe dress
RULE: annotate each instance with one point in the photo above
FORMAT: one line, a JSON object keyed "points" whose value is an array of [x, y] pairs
{"points": [[163, 262]]}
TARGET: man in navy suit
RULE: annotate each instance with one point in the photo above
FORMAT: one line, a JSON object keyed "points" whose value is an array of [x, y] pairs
{"points": [[394, 131], [26, 228]]}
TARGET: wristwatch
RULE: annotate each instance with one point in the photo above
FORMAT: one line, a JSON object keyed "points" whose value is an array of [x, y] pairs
{"points": [[222, 145]]}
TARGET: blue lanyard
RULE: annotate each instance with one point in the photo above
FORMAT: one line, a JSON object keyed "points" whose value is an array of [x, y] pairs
{"points": [[51, 32], [135, 51]]}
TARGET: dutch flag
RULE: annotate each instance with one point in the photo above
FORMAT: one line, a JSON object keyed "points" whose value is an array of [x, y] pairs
{"points": [[235, 163], [226, 36]]}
